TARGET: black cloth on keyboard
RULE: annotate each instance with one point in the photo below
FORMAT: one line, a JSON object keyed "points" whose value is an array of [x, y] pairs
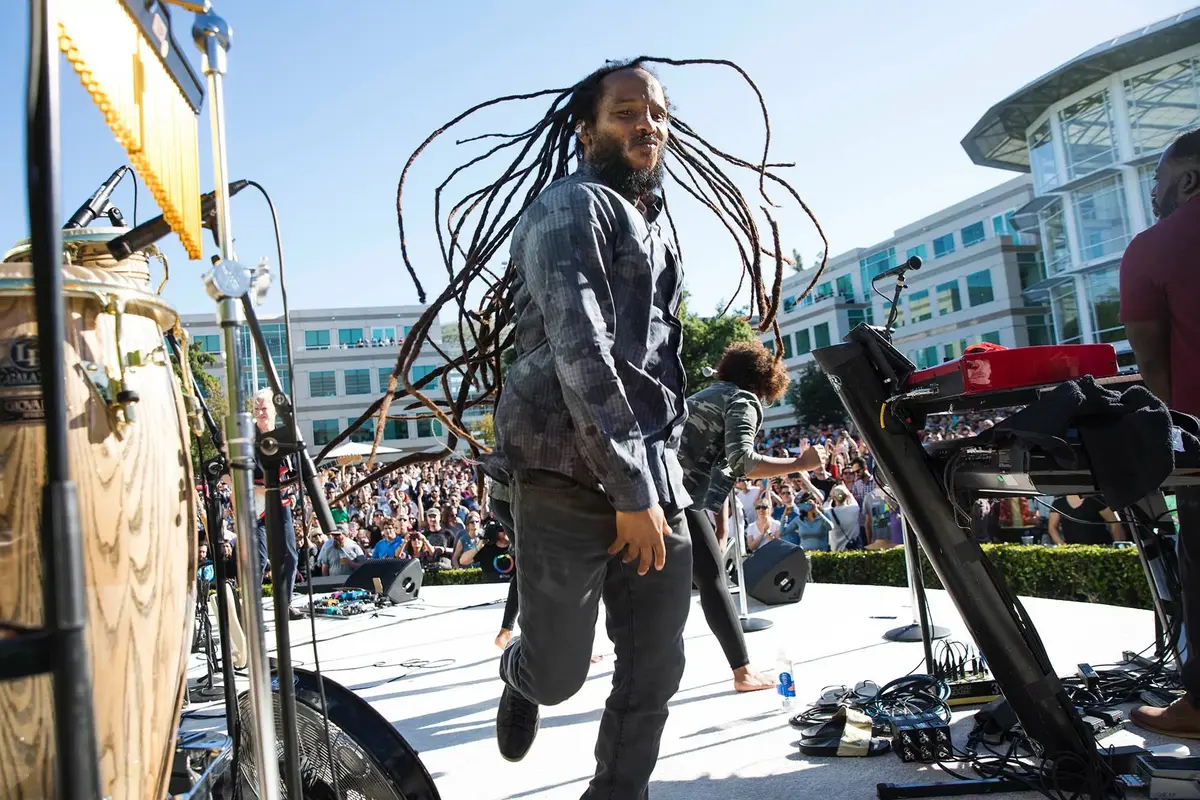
{"points": [[1128, 436]]}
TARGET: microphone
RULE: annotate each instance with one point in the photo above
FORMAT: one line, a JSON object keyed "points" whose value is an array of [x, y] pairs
{"points": [[913, 263], [152, 230], [95, 204]]}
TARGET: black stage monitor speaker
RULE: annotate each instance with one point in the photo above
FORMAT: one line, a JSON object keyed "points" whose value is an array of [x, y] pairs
{"points": [[371, 758], [321, 584], [777, 573], [399, 579]]}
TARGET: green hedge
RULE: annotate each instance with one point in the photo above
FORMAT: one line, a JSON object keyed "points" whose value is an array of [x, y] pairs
{"points": [[1086, 573], [1073, 572]]}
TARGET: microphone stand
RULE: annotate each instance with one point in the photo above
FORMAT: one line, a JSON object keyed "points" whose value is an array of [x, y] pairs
{"points": [[749, 624], [213, 469], [212, 35], [921, 628], [273, 448]]}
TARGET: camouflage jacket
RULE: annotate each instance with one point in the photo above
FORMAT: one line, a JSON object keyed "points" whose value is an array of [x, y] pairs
{"points": [[597, 389], [718, 442]]}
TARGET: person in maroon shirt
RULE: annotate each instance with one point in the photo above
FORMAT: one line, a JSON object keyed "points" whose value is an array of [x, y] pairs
{"points": [[1160, 281]]}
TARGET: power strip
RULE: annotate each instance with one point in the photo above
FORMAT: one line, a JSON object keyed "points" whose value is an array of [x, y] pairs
{"points": [[973, 692]]}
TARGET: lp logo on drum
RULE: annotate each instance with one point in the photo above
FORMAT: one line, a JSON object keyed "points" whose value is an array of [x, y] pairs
{"points": [[24, 354], [24, 364]]}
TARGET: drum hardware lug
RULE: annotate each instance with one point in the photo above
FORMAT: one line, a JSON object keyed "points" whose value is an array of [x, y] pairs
{"points": [[118, 401]]}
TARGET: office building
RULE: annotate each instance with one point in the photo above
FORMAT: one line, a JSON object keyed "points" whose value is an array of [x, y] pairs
{"points": [[343, 358], [1090, 134], [1036, 259], [970, 288]]}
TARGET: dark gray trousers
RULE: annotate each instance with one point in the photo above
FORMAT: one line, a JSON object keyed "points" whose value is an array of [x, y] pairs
{"points": [[1187, 500], [563, 569]]}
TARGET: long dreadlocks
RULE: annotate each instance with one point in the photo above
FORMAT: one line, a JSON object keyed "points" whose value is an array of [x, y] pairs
{"points": [[478, 224]]}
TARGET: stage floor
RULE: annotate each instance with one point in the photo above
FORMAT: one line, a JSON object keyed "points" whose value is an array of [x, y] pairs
{"points": [[430, 667]]}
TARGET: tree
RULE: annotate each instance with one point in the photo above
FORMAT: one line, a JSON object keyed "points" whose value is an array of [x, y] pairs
{"points": [[485, 430], [506, 360], [705, 340], [799, 259], [814, 399], [214, 397]]}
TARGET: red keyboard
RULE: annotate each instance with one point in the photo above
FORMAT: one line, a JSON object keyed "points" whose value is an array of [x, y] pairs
{"points": [[1000, 371]]}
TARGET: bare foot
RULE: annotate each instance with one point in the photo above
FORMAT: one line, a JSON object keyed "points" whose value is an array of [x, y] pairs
{"points": [[503, 638], [597, 659], [746, 680]]}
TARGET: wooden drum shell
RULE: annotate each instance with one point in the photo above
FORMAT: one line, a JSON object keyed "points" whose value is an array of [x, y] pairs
{"points": [[137, 504]]}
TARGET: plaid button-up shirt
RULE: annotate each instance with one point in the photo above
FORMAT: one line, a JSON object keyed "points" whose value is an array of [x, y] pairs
{"points": [[597, 389]]}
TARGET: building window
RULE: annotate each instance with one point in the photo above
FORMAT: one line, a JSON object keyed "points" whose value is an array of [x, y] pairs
{"points": [[1032, 270], [1002, 224], [918, 306], [803, 342], [395, 429], [979, 287], [1066, 314], [928, 357], [1087, 135], [1042, 160], [789, 303], [323, 431], [787, 345], [860, 316], [1162, 104], [428, 427], [1100, 218], [918, 251], [973, 234], [322, 384], [943, 245], [421, 371], [1055, 252], [350, 337], [845, 287], [209, 343], [886, 311], [821, 335], [1040, 329], [316, 340], [825, 290], [384, 374], [382, 334], [874, 264], [365, 434], [358, 381], [947, 298], [407, 330], [769, 344], [991, 337], [1104, 297]]}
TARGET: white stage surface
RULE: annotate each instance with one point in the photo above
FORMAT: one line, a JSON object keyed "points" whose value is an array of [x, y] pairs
{"points": [[717, 744]]}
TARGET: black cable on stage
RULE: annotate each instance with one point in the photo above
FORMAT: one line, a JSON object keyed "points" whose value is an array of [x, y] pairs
{"points": [[301, 504]]}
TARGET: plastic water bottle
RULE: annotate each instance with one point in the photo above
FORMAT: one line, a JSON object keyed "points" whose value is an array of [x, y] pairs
{"points": [[785, 684]]}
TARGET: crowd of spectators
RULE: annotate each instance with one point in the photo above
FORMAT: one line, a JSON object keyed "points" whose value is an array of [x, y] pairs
{"points": [[432, 513], [426, 512]]}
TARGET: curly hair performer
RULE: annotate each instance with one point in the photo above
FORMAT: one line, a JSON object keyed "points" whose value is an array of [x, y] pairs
{"points": [[717, 446]]}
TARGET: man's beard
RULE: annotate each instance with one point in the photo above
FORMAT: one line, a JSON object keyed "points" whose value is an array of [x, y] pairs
{"points": [[1166, 205], [607, 158]]}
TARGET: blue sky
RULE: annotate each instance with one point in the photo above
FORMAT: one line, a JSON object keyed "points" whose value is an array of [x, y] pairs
{"points": [[869, 98]]}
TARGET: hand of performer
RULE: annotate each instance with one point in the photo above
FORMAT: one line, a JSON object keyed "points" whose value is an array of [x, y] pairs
{"points": [[812, 458], [640, 535]]}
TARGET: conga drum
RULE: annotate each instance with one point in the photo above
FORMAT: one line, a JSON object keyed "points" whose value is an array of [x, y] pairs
{"points": [[130, 458]]}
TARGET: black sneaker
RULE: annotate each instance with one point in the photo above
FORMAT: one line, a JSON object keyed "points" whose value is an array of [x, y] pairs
{"points": [[517, 722]]}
